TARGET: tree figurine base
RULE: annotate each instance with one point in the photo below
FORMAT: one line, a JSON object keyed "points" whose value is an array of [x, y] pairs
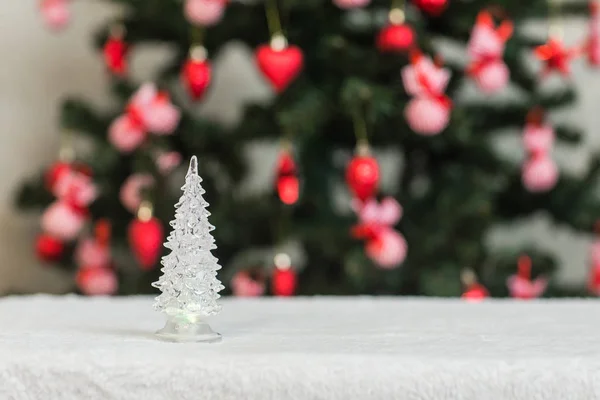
{"points": [[181, 329]]}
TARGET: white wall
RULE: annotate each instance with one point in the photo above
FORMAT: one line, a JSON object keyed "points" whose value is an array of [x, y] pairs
{"points": [[38, 68]]}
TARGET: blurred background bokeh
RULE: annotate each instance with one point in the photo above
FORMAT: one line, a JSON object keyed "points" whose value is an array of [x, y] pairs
{"points": [[41, 68]]}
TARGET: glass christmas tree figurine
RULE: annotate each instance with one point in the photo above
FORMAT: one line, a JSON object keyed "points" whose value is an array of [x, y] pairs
{"points": [[189, 283]]}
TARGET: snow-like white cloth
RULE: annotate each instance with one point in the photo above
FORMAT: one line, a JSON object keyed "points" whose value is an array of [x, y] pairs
{"points": [[303, 348]]}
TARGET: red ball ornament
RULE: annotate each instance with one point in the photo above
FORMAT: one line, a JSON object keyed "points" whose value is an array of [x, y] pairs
{"points": [[476, 292], [48, 248], [94, 281], [197, 73], [279, 63], [395, 38], [284, 280], [288, 185], [432, 7], [115, 53], [145, 238], [362, 175]]}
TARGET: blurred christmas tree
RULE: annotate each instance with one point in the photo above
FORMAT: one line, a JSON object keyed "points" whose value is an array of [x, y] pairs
{"points": [[335, 66]]}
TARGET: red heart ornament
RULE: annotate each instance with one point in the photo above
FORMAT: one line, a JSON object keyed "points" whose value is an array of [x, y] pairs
{"points": [[395, 37], [196, 77], [146, 238], [280, 67]]}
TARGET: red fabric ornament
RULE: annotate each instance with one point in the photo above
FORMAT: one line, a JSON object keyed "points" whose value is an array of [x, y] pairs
{"points": [[395, 38], [556, 57], [592, 47], [76, 188], [146, 238], [115, 54], [287, 183], [521, 286], [362, 176], [48, 248], [196, 75], [475, 293], [540, 174], [279, 63], [284, 282], [56, 13], [63, 220], [348, 4], [93, 281], [204, 12], [432, 7]]}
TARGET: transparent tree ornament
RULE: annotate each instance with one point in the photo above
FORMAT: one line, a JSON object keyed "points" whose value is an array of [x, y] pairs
{"points": [[189, 284]]}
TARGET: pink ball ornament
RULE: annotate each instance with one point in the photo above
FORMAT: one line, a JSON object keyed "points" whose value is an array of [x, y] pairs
{"points": [[97, 281], [168, 161], [427, 116], [161, 117], [204, 12], [387, 249], [56, 13], [91, 253], [348, 4], [62, 221], [131, 191], [492, 77], [538, 138], [126, 134], [540, 174], [243, 285], [595, 253]]}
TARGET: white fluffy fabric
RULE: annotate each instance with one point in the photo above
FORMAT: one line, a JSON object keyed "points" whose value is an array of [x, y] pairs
{"points": [[303, 348]]}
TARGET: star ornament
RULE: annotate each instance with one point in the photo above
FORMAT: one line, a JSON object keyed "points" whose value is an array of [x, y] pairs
{"points": [[556, 57]]}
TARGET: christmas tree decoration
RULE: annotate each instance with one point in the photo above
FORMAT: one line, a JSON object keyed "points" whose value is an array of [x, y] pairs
{"points": [[145, 235], [384, 245], [592, 47], [95, 251], [94, 281], [486, 50], [555, 56], [204, 12], [48, 248], [349, 4], [115, 51], [429, 112], [55, 13], [593, 283], [362, 173], [54, 173], [397, 36], [279, 63], [284, 280], [189, 285], [474, 291], [521, 286], [244, 285], [432, 7], [287, 183], [168, 161], [148, 111], [63, 221], [131, 191], [126, 133], [76, 188], [196, 75], [540, 173]]}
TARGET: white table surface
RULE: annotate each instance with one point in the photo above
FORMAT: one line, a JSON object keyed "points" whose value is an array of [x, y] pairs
{"points": [[303, 348]]}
